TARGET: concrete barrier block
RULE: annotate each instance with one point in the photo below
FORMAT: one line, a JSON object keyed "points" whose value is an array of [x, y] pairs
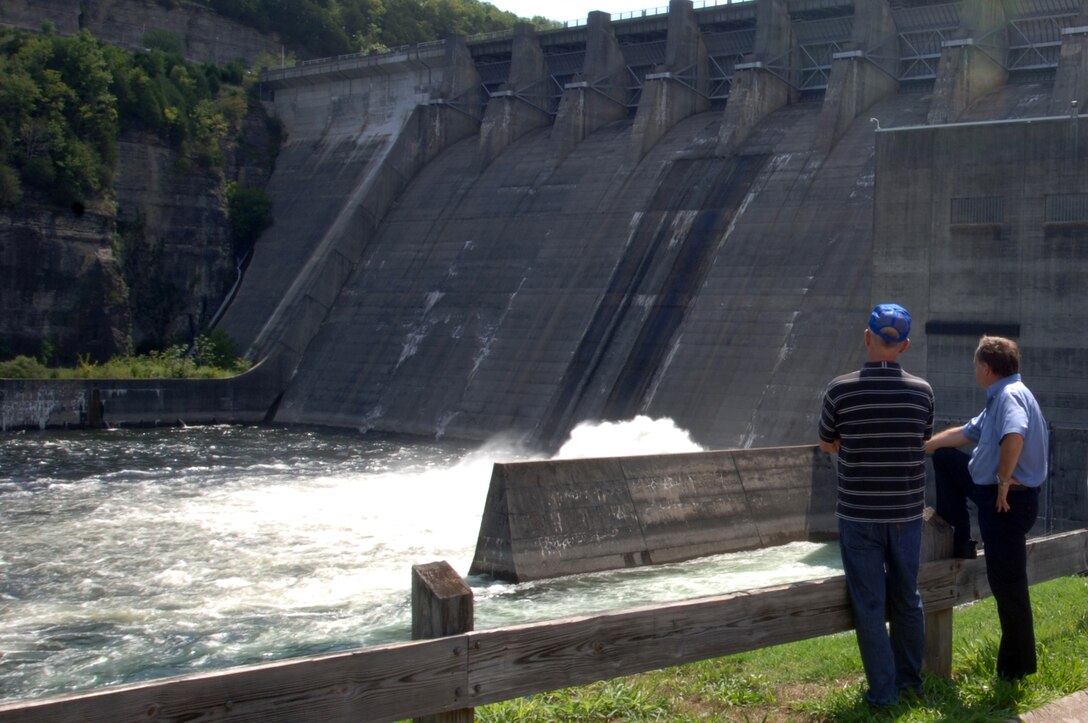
{"points": [[545, 519]]}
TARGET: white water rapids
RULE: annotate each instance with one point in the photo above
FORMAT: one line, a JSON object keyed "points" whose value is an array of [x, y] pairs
{"points": [[128, 555]]}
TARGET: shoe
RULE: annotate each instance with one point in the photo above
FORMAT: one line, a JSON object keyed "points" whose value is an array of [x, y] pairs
{"points": [[965, 550]]}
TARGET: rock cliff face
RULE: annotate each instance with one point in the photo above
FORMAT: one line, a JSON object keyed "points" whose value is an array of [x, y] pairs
{"points": [[154, 265], [30, 14], [175, 241], [61, 283], [175, 234], [208, 37]]}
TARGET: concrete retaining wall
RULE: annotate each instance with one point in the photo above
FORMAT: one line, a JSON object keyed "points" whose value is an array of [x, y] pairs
{"points": [[38, 404], [545, 519]]}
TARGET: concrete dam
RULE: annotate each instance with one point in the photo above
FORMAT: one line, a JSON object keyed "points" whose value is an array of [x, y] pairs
{"points": [[686, 215], [682, 215]]}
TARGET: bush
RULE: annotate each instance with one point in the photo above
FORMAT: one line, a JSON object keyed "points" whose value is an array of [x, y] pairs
{"points": [[60, 120], [215, 350], [164, 40], [23, 367]]}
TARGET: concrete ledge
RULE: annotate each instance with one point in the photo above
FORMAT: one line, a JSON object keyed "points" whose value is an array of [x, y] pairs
{"points": [[553, 518], [1070, 708], [78, 403]]}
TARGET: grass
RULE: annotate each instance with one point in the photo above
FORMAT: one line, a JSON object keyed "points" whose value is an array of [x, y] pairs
{"points": [[821, 679]]}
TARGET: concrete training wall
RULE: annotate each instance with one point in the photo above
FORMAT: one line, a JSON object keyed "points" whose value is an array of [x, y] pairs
{"points": [[546, 519], [28, 404]]}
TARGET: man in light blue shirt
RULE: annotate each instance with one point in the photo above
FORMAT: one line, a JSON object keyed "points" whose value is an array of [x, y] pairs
{"points": [[1002, 477]]}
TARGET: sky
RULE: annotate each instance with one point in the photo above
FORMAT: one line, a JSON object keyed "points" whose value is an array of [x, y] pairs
{"points": [[564, 10]]}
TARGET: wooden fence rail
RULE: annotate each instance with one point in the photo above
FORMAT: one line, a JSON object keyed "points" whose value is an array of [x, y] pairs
{"points": [[425, 677]]}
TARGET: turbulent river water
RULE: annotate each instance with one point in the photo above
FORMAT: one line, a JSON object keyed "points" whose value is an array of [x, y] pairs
{"points": [[128, 555]]}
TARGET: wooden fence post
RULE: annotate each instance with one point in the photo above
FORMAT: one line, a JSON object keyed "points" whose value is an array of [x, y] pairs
{"points": [[442, 604], [937, 545]]}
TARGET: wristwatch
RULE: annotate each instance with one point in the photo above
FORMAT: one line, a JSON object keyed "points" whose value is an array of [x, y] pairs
{"points": [[998, 481]]}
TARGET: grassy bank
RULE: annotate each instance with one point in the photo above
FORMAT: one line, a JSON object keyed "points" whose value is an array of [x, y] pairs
{"points": [[821, 679]]}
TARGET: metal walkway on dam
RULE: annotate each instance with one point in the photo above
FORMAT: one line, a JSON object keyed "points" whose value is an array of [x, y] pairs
{"points": [[1029, 41]]}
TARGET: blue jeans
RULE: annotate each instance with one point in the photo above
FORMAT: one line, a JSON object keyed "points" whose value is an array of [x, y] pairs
{"points": [[880, 560]]}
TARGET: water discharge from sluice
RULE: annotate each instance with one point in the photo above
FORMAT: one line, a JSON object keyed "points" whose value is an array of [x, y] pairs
{"points": [[137, 554]]}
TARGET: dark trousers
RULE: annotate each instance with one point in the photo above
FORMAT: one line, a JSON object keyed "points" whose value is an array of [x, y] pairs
{"points": [[1004, 537]]}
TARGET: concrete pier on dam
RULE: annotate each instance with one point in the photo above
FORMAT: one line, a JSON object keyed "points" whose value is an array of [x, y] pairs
{"points": [[684, 215]]}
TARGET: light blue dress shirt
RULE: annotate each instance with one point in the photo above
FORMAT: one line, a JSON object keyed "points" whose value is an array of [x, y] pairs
{"points": [[1010, 408]]}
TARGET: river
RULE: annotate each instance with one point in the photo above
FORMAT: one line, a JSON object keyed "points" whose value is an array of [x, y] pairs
{"points": [[128, 555]]}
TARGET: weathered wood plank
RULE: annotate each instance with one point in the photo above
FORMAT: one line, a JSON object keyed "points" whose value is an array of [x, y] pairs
{"points": [[948, 583], [508, 662], [404, 680], [376, 684]]}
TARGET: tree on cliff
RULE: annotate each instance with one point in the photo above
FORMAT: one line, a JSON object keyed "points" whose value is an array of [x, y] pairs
{"points": [[64, 104], [64, 101], [58, 118], [346, 26]]}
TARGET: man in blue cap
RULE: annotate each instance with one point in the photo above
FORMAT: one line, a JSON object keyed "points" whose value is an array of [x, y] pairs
{"points": [[1002, 477], [877, 420]]}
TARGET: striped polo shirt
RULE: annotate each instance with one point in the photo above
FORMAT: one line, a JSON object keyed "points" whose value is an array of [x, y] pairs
{"points": [[882, 415]]}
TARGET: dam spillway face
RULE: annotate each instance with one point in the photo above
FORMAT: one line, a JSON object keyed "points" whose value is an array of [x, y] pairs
{"points": [[491, 238]]}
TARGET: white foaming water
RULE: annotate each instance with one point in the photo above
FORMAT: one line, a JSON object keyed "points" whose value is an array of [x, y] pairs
{"points": [[640, 435], [132, 555]]}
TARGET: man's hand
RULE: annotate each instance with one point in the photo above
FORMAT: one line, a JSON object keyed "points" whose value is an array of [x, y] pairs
{"points": [[1011, 446], [1002, 504], [831, 447]]}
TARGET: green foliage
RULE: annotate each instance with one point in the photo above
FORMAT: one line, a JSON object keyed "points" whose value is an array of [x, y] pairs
{"points": [[60, 122], [23, 367], [250, 211], [63, 101], [170, 363], [211, 357], [215, 350], [412, 21], [189, 106], [326, 28], [164, 40], [612, 700]]}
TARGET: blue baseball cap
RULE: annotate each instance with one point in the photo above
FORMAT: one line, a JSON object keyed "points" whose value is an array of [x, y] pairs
{"points": [[891, 322]]}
